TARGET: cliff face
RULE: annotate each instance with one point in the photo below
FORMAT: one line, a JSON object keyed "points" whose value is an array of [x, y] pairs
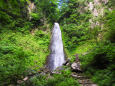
{"points": [[31, 7], [97, 9]]}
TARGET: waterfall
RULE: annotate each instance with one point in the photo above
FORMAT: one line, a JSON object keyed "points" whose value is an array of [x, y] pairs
{"points": [[56, 57]]}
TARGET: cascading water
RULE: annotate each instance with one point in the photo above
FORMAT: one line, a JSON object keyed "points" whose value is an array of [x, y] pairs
{"points": [[56, 57]]}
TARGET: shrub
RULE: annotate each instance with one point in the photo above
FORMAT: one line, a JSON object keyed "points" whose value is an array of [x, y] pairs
{"points": [[74, 34], [20, 54], [110, 24], [12, 63], [99, 64], [35, 16]]}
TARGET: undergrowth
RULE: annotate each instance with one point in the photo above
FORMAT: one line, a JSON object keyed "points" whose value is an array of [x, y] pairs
{"points": [[96, 53], [99, 64], [63, 79], [20, 53]]}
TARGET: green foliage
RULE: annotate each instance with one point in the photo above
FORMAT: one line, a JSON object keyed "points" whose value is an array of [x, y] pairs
{"points": [[35, 16], [19, 53], [100, 62], [104, 77], [13, 7], [44, 37], [63, 79], [25, 27], [95, 47], [111, 3], [13, 15], [74, 19], [47, 11], [102, 56], [74, 34], [4, 18], [72, 12], [13, 62], [110, 25]]}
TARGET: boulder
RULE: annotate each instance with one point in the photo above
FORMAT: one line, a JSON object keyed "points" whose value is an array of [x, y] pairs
{"points": [[20, 81], [67, 62], [26, 78], [76, 67]]}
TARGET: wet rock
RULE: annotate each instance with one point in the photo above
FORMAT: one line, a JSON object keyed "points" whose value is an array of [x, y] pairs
{"points": [[31, 72], [11, 85], [74, 75], [26, 78], [20, 81], [76, 67], [43, 73], [44, 70], [94, 85], [67, 62], [82, 79], [78, 76], [55, 72], [60, 68]]}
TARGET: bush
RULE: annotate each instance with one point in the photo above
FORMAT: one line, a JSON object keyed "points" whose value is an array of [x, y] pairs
{"points": [[99, 64], [13, 62], [5, 18], [110, 24], [20, 54], [35, 16], [74, 34], [101, 55], [104, 77], [44, 37]]}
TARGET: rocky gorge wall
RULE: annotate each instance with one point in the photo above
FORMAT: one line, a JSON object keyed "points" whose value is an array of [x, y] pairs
{"points": [[97, 9]]}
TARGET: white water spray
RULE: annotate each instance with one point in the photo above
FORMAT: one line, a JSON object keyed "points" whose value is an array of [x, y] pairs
{"points": [[56, 57]]}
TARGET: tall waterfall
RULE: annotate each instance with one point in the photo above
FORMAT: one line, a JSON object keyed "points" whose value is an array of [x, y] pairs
{"points": [[56, 57]]}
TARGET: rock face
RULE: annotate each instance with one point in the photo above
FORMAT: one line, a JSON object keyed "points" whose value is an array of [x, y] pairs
{"points": [[31, 8], [97, 10], [76, 67]]}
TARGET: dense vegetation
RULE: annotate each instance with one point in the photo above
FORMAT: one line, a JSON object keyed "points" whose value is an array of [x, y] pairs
{"points": [[94, 46], [23, 48], [25, 38], [63, 79]]}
